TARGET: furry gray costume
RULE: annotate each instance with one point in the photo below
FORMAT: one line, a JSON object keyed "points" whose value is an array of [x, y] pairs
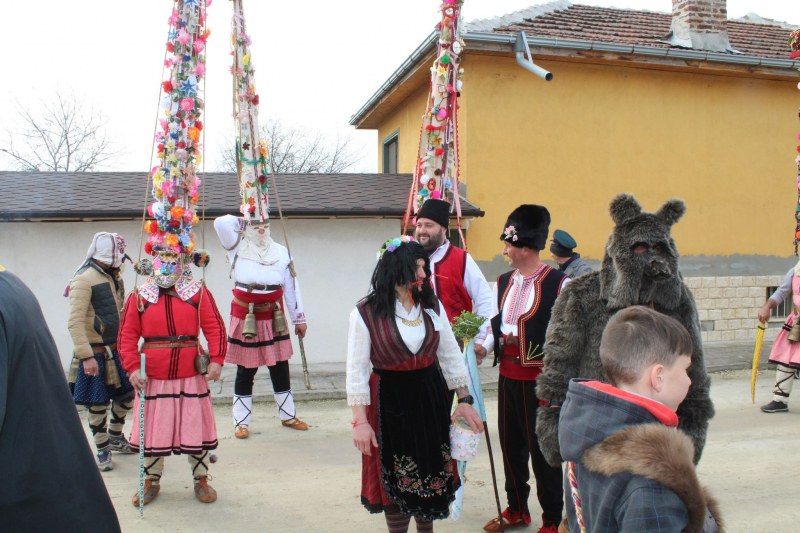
{"points": [[640, 267]]}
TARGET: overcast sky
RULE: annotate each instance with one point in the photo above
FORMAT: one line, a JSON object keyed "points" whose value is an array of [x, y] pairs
{"points": [[317, 61]]}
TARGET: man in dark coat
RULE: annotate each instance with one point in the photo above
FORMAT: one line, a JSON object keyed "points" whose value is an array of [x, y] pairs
{"points": [[50, 480]]}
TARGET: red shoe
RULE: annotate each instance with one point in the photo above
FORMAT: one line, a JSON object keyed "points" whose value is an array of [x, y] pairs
{"points": [[511, 519], [550, 528]]}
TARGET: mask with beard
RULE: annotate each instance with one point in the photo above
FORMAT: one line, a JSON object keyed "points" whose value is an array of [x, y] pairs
{"points": [[167, 268], [258, 235]]}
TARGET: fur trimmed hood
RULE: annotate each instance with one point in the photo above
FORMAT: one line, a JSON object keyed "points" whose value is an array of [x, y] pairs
{"points": [[640, 266], [663, 455], [611, 436]]}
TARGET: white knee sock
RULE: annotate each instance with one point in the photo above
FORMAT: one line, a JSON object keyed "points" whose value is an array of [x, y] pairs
{"points": [[285, 401], [784, 379], [242, 410]]}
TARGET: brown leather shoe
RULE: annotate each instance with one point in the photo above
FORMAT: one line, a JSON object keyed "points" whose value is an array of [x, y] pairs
{"points": [[295, 423], [203, 491], [151, 488], [241, 432]]}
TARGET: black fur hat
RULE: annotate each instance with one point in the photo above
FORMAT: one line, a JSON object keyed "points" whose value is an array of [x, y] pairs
{"points": [[436, 210], [527, 225]]}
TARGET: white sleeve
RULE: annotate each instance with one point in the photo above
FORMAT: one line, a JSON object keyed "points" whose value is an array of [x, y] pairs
{"points": [[227, 228], [450, 357], [358, 364], [294, 302], [488, 343], [785, 290], [481, 295]]}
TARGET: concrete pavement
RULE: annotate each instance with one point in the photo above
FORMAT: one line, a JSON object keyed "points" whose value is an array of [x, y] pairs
{"points": [[285, 480]]}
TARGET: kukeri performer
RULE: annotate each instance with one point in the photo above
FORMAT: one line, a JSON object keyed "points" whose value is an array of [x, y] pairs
{"points": [[96, 294], [258, 333], [400, 329], [167, 312]]}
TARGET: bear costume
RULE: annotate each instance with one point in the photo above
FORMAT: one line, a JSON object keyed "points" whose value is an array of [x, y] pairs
{"points": [[640, 267]]}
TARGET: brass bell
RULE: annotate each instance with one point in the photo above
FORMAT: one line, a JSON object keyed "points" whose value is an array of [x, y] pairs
{"points": [[279, 326], [794, 333], [249, 329]]}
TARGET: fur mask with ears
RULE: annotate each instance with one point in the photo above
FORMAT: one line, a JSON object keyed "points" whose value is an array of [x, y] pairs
{"points": [[640, 266]]}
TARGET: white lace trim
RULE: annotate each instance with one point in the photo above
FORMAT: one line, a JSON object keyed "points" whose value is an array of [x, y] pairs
{"points": [[358, 398], [456, 382]]}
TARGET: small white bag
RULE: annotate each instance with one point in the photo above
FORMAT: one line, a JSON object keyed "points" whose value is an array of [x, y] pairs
{"points": [[463, 441]]}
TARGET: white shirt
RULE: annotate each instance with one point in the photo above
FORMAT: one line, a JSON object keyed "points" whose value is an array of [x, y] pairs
{"points": [[516, 281], [475, 284], [251, 272], [450, 357]]}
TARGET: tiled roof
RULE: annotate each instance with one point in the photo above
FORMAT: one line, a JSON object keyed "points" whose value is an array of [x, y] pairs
{"points": [[98, 195], [643, 28]]}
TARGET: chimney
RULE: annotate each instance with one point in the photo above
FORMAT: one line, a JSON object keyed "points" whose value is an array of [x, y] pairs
{"points": [[700, 25]]}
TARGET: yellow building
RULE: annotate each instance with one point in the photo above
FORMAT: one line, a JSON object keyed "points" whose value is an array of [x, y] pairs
{"points": [[659, 105]]}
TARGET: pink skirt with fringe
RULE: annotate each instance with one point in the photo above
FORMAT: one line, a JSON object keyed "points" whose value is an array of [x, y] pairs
{"points": [[262, 350], [784, 352], [178, 417]]}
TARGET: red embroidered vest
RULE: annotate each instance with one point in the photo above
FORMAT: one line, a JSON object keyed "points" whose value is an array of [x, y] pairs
{"points": [[448, 282]]}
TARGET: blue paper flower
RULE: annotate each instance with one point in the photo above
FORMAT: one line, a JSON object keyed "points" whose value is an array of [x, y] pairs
{"points": [[189, 86]]}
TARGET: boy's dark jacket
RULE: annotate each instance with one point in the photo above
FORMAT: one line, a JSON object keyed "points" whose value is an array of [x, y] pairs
{"points": [[626, 278], [633, 472]]}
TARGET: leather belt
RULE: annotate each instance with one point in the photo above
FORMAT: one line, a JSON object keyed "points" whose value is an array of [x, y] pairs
{"points": [[178, 344], [171, 338], [257, 287], [257, 308], [101, 348]]}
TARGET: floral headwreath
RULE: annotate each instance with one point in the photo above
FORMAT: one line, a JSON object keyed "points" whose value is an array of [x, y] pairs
{"points": [[393, 244]]}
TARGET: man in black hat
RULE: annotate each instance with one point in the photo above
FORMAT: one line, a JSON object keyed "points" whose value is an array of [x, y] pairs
{"points": [[524, 299], [456, 278], [569, 262]]}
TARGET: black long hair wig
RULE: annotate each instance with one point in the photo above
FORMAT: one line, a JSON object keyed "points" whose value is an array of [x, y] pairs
{"points": [[399, 267]]}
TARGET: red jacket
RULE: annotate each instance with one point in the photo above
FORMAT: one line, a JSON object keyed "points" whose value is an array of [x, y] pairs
{"points": [[170, 317]]}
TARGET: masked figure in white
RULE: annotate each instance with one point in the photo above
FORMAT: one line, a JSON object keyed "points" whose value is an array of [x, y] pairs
{"points": [[264, 294]]}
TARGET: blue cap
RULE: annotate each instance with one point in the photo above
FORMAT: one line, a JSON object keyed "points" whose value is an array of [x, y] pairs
{"points": [[564, 239]]}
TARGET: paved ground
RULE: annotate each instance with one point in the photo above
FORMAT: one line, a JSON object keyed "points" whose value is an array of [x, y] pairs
{"points": [[284, 480]]}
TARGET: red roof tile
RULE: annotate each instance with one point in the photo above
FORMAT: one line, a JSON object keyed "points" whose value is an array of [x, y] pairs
{"points": [[644, 28]]}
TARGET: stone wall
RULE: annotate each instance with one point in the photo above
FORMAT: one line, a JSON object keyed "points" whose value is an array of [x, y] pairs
{"points": [[727, 306]]}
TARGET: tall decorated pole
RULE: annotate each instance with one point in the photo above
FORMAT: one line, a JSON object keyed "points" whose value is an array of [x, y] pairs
{"points": [[794, 45], [174, 195], [251, 151], [436, 172], [175, 191]]}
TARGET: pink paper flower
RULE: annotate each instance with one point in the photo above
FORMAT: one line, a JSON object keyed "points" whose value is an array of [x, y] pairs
{"points": [[199, 46], [183, 37], [200, 70], [187, 104]]}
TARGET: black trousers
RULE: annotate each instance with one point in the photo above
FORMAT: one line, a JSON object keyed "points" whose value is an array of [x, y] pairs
{"points": [[278, 373], [517, 404]]}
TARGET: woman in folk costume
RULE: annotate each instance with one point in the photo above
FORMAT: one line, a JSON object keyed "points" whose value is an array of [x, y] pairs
{"points": [[401, 411], [167, 312], [96, 294], [258, 333], [786, 353]]}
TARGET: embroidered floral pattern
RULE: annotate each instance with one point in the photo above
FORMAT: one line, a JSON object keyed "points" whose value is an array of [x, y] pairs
{"points": [[409, 480]]}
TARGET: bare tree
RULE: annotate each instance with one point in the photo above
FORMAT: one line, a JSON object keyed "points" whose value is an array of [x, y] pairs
{"points": [[296, 151], [59, 136]]}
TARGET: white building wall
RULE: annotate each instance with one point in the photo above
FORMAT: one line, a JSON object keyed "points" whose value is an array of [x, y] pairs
{"points": [[334, 259]]}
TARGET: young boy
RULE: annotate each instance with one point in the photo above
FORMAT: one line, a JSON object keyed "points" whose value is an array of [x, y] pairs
{"points": [[627, 466]]}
